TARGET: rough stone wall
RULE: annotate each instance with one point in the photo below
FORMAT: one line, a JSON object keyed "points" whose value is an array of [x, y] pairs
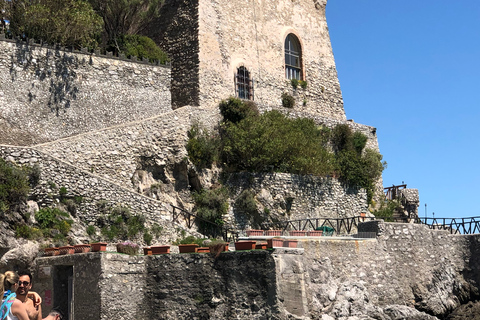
{"points": [[407, 265], [87, 275], [252, 33], [294, 197], [407, 272], [47, 94], [92, 188], [176, 31], [118, 152], [209, 39]]}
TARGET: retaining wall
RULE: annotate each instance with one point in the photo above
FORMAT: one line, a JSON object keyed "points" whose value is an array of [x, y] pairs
{"points": [[48, 93]]}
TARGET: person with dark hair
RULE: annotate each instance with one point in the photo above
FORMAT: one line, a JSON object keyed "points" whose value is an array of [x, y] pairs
{"points": [[55, 314], [34, 310], [11, 308]]}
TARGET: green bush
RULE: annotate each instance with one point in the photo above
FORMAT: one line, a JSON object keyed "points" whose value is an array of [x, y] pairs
{"points": [[294, 82], [235, 110], [246, 203], [147, 237], [273, 142], [120, 224], [356, 165], [91, 230], [202, 147], [53, 222], [14, 186], [303, 84], [141, 47], [28, 232], [386, 210], [211, 206], [287, 101], [190, 240]]}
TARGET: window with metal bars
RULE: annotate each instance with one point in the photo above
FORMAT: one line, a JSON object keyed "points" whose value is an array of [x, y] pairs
{"points": [[243, 84], [293, 58]]}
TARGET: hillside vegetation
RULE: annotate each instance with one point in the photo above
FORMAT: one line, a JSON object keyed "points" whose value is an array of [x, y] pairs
{"points": [[273, 142], [110, 25]]}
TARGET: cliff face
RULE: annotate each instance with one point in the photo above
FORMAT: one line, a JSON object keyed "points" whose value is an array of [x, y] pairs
{"points": [[407, 272]]}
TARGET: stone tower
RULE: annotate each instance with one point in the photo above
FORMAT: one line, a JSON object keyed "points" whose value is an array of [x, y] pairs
{"points": [[250, 49]]}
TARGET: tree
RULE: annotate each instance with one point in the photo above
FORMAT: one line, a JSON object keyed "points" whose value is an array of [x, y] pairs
{"points": [[65, 22], [125, 17]]}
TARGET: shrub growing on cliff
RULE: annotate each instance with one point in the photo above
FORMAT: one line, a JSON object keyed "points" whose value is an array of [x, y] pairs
{"points": [[141, 47], [356, 165], [53, 222], [235, 110], [14, 186], [287, 101], [202, 147], [120, 224], [273, 142], [211, 206]]}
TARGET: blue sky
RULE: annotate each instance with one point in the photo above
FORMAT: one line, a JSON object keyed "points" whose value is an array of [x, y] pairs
{"points": [[411, 69]]}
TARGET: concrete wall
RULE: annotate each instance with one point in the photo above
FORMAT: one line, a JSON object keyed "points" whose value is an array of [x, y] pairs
{"points": [[48, 93], [407, 272]]}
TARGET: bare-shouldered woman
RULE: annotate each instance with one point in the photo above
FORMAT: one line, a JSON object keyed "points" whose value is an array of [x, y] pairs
{"points": [[11, 308]]}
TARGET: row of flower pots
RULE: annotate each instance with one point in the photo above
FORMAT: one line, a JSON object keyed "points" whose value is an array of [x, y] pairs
{"points": [[271, 243], [79, 248], [277, 233]]}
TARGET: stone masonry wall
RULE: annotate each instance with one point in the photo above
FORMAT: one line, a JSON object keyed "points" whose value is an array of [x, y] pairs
{"points": [[117, 152], [252, 34], [176, 31], [407, 272], [408, 264], [294, 197], [92, 188], [48, 93]]}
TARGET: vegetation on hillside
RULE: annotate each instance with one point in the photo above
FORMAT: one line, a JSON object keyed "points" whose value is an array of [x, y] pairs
{"points": [[14, 185], [111, 25], [273, 142]]}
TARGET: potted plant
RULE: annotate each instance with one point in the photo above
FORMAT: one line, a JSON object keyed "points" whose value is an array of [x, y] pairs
{"points": [[315, 233], [261, 246], [297, 233], [290, 243], [98, 246], [160, 250], [254, 233], [274, 233], [218, 246], [66, 250], [245, 245], [276, 242], [128, 247], [82, 248], [187, 248], [53, 251]]}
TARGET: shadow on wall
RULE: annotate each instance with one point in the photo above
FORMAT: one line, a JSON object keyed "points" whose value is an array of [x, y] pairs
{"points": [[56, 67]]}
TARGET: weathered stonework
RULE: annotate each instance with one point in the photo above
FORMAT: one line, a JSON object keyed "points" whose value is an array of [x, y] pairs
{"points": [[206, 47], [294, 197], [48, 93], [407, 272], [92, 189]]}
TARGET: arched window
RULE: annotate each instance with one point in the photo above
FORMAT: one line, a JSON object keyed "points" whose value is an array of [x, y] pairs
{"points": [[243, 84], [293, 58]]}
